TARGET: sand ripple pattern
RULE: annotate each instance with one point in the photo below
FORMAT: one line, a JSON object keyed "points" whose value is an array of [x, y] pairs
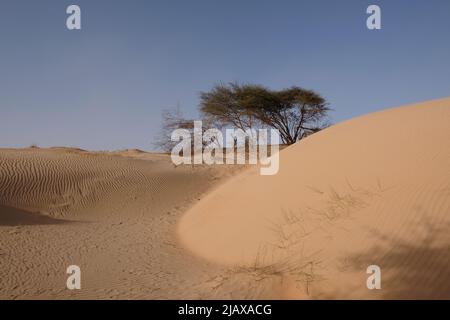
{"points": [[58, 182]]}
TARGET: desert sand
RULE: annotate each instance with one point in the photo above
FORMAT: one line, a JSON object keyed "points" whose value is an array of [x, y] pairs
{"points": [[112, 214], [372, 190]]}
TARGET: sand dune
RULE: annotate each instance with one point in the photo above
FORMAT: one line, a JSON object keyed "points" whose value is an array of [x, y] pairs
{"points": [[112, 214], [372, 190], [58, 181]]}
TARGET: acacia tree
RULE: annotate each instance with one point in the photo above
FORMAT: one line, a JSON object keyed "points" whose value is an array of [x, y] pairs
{"points": [[173, 119], [295, 112], [230, 104]]}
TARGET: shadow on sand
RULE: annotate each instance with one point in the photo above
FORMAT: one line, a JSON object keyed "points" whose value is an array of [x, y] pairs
{"points": [[417, 269], [10, 216]]}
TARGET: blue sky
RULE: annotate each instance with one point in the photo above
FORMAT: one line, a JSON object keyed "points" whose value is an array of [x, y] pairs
{"points": [[103, 87]]}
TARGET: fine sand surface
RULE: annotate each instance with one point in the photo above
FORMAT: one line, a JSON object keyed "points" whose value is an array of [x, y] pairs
{"points": [[112, 214], [374, 190]]}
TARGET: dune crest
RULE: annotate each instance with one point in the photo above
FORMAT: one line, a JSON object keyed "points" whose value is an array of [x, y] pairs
{"points": [[372, 190]]}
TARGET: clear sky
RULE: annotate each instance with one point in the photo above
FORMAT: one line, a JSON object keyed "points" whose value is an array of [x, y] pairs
{"points": [[103, 87]]}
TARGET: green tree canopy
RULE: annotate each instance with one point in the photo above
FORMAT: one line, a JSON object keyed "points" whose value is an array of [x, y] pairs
{"points": [[295, 112]]}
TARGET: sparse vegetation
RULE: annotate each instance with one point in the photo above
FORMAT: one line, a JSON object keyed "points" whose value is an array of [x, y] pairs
{"points": [[295, 112], [173, 119]]}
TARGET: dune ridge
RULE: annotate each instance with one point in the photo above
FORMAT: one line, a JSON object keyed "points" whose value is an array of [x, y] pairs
{"points": [[58, 182], [371, 190]]}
